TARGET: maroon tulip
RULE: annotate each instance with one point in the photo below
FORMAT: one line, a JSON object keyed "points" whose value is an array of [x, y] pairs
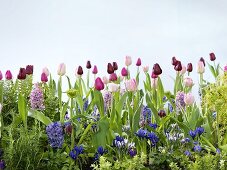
{"points": [[1, 75], [138, 63], [29, 69], [189, 67], [113, 77], [174, 61], [212, 57], [68, 129], [8, 75], [115, 66], [95, 70], [154, 76], [124, 72], [201, 59], [99, 85], [161, 113], [44, 78], [22, 74], [80, 71], [178, 66], [157, 69], [88, 65], [110, 68]]}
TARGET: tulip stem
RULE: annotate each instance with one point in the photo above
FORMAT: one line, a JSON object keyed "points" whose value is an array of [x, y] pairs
{"points": [[71, 116]]}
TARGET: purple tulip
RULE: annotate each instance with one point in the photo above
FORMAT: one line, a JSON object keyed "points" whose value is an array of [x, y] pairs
{"points": [[113, 77], [8, 75], [174, 61], [95, 70], [29, 69], [178, 66], [22, 74], [124, 72], [99, 85], [189, 67], [157, 69], [44, 78], [88, 65], [115, 66], [80, 71], [138, 63], [110, 68], [212, 57], [154, 76], [1, 75]]}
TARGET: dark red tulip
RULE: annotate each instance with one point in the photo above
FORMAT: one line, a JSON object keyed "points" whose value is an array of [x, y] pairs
{"points": [[80, 71], [154, 76], [22, 74], [68, 128], [174, 61], [178, 66], [95, 70], [44, 78], [157, 69], [161, 113], [88, 65], [189, 67], [202, 59], [113, 77], [138, 63], [99, 85], [29, 69], [110, 68], [115, 66], [212, 57]]}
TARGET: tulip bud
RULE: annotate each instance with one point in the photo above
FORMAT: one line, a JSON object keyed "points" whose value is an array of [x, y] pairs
{"points": [[88, 65], [201, 59], [183, 70], [189, 67], [115, 66], [157, 69], [138, 63], [95, 70], [8, 75], [46, 71], [131, 85], [68, 128], [212, 57], [44, 78], [105, 80], [128, 60], [112, 87], [1, 75], [154, 83], [29, 69], [154, 76], [80, 71], [225, 68], [99, 84], [161, 113], [113, 77], [124, 72], [188, 82], [200, 67], [178, 66], [61, 69], [110, 68], [174, 61], [189, 99], [145, 69], [22, 74]]}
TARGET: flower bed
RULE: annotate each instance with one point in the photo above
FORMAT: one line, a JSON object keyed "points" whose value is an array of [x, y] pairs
{"points": [[113, 124]]}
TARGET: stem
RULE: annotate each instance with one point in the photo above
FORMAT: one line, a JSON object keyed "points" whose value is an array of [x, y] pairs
{"points": [[71, 116], [218, 141], [88, 77]]}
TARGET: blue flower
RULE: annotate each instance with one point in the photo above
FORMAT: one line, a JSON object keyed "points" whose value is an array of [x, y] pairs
{"points": [[187, 153], [185, 140], [192, 134], [153, 125], [76, 152], [119, 142], [55, 134], [218, 151], [141, 133], [146, 114], [101, 150], [153, 138], [170, 107], [199, 130], [197, 148], [2, 164], [132, 152]]}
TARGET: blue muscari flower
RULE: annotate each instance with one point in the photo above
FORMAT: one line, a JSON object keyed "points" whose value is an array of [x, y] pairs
{"points": [[153, 138], [146, 114], [187, 153], [199, 130], [141, 133], [101, 150], [170, 107], [197, 148], [132, 152], [55, 134], [192, 134], [164, 98], [85, 104], [153, 125], [119, 142], [76, 152], [2, 164], [218, 151]]}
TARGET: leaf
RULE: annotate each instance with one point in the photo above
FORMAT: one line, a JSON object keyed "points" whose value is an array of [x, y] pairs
{"points": [[69, 83], [212, 70], [224, 148], [136, 119], [1, 92], [153, 109], [22, 108], [40, 117], [99, 102], [208, 143], [85, 133]]}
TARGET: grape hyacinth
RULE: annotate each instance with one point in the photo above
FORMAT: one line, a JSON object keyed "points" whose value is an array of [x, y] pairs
{"points": [[76, 152], [55, 134], [37, 98], [187, 153], [153, 138], [120, 142], [197, 148], [199, 130], [180, 100], [153, 125], [141, 133], [192, 134], [145, 116], [100, 152], [132, 152]]}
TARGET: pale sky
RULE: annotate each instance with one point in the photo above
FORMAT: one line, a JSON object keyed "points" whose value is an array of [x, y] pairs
{"points": [[48, 32]]}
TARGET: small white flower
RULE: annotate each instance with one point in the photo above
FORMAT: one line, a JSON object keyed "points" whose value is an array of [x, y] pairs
{"points": [[112, 87]]}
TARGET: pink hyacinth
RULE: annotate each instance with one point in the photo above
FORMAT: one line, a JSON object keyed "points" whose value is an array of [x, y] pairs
{"points": [[37, 98], [131, 85]]}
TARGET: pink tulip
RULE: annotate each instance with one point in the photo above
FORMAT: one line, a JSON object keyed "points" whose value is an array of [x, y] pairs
{"points": [[189, 99], [183, 70], [1, 75], [225, 68], [8, 75], [154, 83], [145, 69], [46, 71], [113, 77], [105, 80], [99, 85], [200, 67], [131, 85], [61, 69], [138, 63], [95, 70], [124, 72], [188, 82], [44, 78], [128, 60]]}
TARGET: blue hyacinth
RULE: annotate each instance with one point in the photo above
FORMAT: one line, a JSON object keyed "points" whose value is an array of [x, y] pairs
{"points": [[197, 148], [77, 150], [199, 130], [192, 134], [119, 142], [100, 152], [141, 133], [153, 125], [146, 114], [153, 138], [132, 152], [2, 164], [55, 134]]}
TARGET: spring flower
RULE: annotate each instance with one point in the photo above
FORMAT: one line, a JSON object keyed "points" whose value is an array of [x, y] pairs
{"points": [[80, 71], [22, 74], [112, 87], [157, 69], [170, 107], [145, 116], [187, 153], [113, 77], [153, 125], [192, 134], [189, 67], [2, 164], [107, 97], [105, 80], [145, 69], [110, 68], [183, 70], [189, 99], [138, 63], [128, 60], [153, 138], [29, 69], [132, 152], [178, 66], [185, 140], [161, 113], [1, 75], [61, 69], [197, 148], [119, 142], [174, 61], [101, 150], [68, 128], [131, 85], [46, 71], [188, 82], [37, 98], [199, 130], [212, 57], [88, 65], [124, 72], [200, 67], [154, 83], [141, 133], [218, 151], [154, 76], [95, 70], [44, 78], [99, 84], [115, 66], [76, 152], [225, 68], [201, 59], [55, 134], [180, 99]]}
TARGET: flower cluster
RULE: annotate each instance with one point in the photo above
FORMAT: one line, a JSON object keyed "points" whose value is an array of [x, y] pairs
{"points": [[198, 130], [145, 116], [180, 100], [119, 142], [100, 152], [55, 134], [144, 134], [37, 98], [77, 150]]}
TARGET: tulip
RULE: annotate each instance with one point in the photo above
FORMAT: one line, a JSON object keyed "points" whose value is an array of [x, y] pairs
{"points": [[113, 77], [88, 65], [188, 82], [1, 75], [200, 67], [112, 87], [225, 68], [161, 113], [154, 75], [110, 68], [128, 60], [124, 72], [189, 67], [201, 59], [115, 66], [80, 71], [183, 70], [8, 75], [145, 69], [178, 66], [95, 70], [189, 99], [212, 57], [105, 80], [157, 69], [131, 85], [44, 77], [174, 61], [61, 69], [46, 71], [29, 69], [138, 63], [22, 74], [99, 85], [154, 83]]}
